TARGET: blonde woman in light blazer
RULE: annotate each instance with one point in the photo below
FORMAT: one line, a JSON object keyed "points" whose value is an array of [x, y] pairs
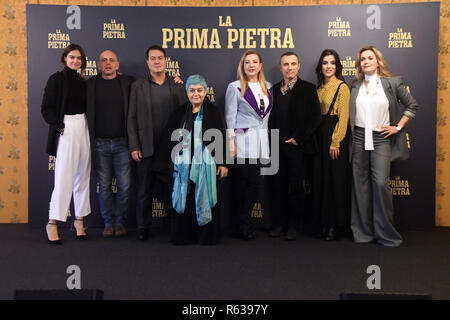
{"points": [[248, 102]]}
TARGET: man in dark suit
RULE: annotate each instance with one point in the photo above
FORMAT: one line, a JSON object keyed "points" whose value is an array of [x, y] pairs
{"points": [[296, 114], [152, 101], [107, 109]]}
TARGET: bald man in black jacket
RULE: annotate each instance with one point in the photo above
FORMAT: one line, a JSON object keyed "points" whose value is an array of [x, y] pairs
{"points": [[107, 110]]}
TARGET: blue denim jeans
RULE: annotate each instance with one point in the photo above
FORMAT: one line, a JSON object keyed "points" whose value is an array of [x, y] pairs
{"points": [[112, 159]]}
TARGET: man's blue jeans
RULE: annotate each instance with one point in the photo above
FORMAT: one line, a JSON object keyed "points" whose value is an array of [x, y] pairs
{"points": [[112, 159]]}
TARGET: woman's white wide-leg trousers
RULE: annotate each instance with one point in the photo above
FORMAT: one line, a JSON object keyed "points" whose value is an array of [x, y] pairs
{"points": [[72, 169]]}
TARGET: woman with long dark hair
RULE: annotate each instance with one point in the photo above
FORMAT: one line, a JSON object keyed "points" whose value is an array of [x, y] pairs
{"points": [[63, 108], [331, 205]]}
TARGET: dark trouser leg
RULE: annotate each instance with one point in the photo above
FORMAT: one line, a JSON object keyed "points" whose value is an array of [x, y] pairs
{"points": [[280, 190], [209, 234], [280, 206], [249, 182], [296, 175], [183, 226], [144, 197], [288, 188]]}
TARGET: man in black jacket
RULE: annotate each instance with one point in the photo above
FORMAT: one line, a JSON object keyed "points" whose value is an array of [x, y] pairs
{"points": [[296, 114], [107, 109], [152, 101]]}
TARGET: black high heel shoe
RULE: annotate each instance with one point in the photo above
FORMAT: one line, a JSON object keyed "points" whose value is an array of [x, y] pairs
{"points": [[79, 237], [48, 239]]}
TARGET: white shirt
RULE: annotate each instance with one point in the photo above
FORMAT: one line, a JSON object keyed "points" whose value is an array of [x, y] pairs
{"points": [[372, 109], [258, 93]]}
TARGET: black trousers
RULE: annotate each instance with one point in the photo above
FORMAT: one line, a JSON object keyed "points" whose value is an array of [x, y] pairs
{"points": [[288, 198], [148, 180], [184, 228], [248, 182]]}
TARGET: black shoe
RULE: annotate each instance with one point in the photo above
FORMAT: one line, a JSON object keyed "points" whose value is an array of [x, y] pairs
{"points": [[48, 239], [79, 237], [249, 236], [142, 234], [330, 235], [276, 232], [291, 234]]}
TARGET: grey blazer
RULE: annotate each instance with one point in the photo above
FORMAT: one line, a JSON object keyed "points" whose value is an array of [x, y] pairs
{"points": [[395, 92], [140, 118]]}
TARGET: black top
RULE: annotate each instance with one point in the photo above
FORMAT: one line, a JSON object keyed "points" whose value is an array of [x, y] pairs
{"points": [[281, 115], [76, 95], [304, 114], [212, 119], [140, 114], [109, 114], [188, 120], [161, 106]]}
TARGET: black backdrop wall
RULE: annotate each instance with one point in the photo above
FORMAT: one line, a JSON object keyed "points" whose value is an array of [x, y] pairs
{"points": [[210, 41]]}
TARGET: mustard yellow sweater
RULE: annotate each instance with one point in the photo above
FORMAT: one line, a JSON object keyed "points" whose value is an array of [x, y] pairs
{"points": [[341, 107]]}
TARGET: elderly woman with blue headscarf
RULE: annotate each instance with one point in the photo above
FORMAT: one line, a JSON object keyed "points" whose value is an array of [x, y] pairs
{"points": [[197, 151]]}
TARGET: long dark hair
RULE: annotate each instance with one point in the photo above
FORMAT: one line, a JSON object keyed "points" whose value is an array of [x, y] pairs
{"points": [[72, 47], [328, 52]]}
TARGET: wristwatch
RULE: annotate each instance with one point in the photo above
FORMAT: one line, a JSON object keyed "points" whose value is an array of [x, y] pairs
{"points": [[398, 128]]}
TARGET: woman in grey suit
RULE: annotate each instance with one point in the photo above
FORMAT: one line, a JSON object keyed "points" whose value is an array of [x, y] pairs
{"points": [[377, 122], [248, 102]]}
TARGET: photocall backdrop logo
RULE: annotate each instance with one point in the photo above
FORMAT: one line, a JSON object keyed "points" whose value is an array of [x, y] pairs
{"points": [[172, 67], [348, 67], [242, 38], [210, 94], [51, 163], [400, 39], [399, 186], [158, 209], [339, 28], [91, 67], [114, 30], [257, 211], [58, 40]]}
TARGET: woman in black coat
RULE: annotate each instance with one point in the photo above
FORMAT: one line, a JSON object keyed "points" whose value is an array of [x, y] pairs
{"points": [[63, 108], [195, 162]]}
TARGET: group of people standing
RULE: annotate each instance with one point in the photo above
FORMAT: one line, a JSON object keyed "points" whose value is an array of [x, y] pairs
{"points": [[166, 128]]}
